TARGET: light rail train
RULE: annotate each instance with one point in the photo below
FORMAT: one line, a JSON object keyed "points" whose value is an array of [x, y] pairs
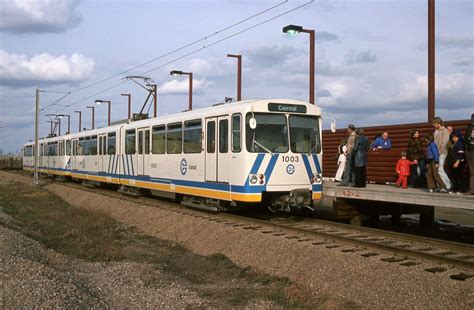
{"points": [[228, 156]]}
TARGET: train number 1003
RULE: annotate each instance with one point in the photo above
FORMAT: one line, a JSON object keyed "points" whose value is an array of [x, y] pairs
{"points": [[290, 159]]}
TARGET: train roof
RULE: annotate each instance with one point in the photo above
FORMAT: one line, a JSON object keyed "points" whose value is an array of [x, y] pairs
{"points": [[258, 105]]}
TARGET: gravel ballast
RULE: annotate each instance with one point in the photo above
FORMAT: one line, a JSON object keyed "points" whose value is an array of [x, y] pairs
{"points": [[338, 278]]}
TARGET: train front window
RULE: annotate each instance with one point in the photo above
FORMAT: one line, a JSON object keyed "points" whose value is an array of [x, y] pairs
{"points": [[304, 134], [271, 134]]}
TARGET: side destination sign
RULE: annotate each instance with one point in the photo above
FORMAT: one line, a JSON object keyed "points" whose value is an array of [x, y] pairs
{"points": [[282, 107]]}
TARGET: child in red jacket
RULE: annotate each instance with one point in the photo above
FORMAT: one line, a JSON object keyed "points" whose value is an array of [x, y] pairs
{"points": [[403, 170]]}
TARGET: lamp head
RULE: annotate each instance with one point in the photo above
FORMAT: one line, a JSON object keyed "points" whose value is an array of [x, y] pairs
{"points": [[98, 102], [176, 73], [292, 30]]}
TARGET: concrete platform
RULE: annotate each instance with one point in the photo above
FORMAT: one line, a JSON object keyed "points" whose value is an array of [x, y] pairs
{"points": [[390, 193]]}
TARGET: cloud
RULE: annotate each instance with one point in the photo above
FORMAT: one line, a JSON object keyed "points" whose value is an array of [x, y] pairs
{"points": [[326, 36], [454, 42], [269, 55], [38, 16], [43, 69], [464, 63], [362, 57], [176, 87]]}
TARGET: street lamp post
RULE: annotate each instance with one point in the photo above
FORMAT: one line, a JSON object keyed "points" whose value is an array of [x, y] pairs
{"points": [[93, 112], [190, 74], [239, 75], [99, 102], [80, 119], [129, 104], [293, 30]]}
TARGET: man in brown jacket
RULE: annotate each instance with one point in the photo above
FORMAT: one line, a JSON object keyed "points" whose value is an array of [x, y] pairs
{"points": [[441, 139], [348, 177]]}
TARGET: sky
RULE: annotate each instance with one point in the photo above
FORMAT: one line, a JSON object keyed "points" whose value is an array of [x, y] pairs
{"points": [[371, 58]]}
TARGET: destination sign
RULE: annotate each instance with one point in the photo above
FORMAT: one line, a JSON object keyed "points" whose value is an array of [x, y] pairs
{"points": [[286, 108]]}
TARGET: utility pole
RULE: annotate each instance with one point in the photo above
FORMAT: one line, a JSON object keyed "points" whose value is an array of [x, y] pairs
{"points": [[239, 75], [36, 150], [155, 99], [431, 60]]}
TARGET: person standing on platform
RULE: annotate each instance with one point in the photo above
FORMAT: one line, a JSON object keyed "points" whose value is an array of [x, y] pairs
{"points": [[415, 152], [341, 160], [469, 152], [435, 183], [360, 158], [348, 177], [458, 163], [403, 170], [441, 138], [382, 142]]}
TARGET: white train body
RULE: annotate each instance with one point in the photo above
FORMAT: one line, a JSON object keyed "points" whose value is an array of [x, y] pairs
{"points": [[209, 156]]}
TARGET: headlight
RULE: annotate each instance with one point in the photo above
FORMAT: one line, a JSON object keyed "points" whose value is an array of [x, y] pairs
{"points": [[257, 178], [317, 178], [253, 179]]}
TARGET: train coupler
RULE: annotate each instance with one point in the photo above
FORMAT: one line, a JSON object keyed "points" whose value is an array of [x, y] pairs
{"points": [[297, 199]]}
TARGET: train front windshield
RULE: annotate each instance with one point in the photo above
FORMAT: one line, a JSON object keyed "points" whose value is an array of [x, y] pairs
{"points": [[271, 133]]}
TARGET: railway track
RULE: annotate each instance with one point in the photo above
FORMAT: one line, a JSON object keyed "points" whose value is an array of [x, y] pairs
{"points": [[406, 250]]}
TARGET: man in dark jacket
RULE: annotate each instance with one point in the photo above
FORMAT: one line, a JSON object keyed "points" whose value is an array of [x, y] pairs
{"points": [[469, 152], [360, 158]]}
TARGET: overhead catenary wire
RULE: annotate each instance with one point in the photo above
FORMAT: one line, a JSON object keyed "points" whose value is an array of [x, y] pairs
{"points": [[196, 51], [168, 53], [181, 47]]}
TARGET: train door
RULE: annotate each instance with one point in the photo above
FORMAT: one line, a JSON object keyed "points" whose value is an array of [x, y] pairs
{"points": [[143, 151], [217, 149], [211, 154], [102, 164]]}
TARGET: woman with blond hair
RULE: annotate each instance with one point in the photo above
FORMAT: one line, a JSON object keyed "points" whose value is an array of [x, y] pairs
{"points": [[341, 160]]}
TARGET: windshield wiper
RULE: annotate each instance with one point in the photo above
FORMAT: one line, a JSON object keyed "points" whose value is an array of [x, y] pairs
{"points": [[261, 146]]}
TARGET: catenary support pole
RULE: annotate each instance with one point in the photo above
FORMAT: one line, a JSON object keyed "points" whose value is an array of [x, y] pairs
{"points": [[431, 60]]}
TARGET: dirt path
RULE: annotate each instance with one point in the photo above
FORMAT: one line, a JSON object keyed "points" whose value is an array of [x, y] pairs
{"points": [[335, 277]]}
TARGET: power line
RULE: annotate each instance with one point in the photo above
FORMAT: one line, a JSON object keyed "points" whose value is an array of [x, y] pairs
{"points": [[169, 53], [195, 51], [180, 48]]}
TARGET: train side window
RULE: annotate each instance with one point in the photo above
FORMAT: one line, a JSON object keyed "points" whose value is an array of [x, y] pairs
{"points": [[93, 145], [130, 141], [147, 141], [174, 138], [68, 147], [158, 139], [104, 148], [192, 136], [140, 142], [111, 143], [80, 147], [223, 136], [87, 145], [236, 133], [100, 145], [211, 137]]}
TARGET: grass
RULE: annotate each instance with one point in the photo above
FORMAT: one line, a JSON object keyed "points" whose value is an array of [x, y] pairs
{"points": [[94, 236]]}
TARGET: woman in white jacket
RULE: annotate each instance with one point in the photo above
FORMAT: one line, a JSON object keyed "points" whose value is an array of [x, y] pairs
{"points": [[341, 160]]}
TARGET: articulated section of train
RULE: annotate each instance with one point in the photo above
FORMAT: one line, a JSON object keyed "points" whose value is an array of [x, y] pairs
{"points": [[265, 152]]}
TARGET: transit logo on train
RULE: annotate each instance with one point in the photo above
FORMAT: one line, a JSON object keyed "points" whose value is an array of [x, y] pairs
{"points": [[183, 166]]}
